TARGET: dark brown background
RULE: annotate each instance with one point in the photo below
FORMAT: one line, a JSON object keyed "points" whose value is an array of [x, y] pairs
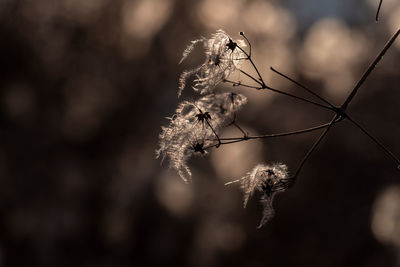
{"points": [[85, 87]]}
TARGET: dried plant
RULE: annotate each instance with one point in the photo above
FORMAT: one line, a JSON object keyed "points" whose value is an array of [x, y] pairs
{"points": [[222, 58], [195, 127], [267, 179]]}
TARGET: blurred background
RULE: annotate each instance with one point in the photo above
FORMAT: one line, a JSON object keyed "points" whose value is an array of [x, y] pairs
{"points": [[86, 85]]}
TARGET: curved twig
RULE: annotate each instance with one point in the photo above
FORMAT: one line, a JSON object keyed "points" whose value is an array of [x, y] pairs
{"points": [[377, 11]]}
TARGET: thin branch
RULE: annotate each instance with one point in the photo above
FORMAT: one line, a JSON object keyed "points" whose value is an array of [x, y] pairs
{"points": [[376, 141], [369, 70], [254, 65], [264, 86], [224, 143], [311, 129], [247, 40], [278, 91], [314, 146], [251, 77], [377, 11], [240, 129], [315, 128], [242, 84], [340, 112], [302, 86], [237, 126], [299, 98], [216, 135]]}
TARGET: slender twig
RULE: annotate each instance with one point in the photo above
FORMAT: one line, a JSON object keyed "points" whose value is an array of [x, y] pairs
{"points": [[261, 82], [369, 70], [223, 143], [314, 146], [376, 141], [245, 138], [377, 11], [216, 135], [247, 40], [307, 130], [240, 129], [344, 115], [304, 87], [291, 180], [341, 114], [299, 98], [263, 86], [239, 83], [251, 77], [254, 65], [237, 126]]}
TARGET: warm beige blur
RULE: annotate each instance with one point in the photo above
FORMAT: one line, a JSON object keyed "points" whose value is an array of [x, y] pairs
{"points": [[386, 216]]}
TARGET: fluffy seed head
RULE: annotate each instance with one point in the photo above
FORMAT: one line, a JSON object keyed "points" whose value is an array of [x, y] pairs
{"points": [[267, 179], [222, 58], [193, 127]]}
